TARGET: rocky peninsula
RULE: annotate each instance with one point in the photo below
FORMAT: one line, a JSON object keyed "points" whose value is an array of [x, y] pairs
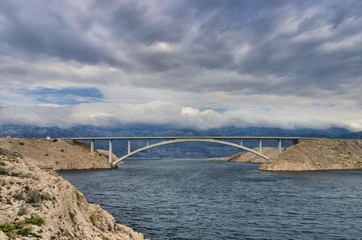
{"points": [[319, 154], [57, 154], [36, 203], [307, 155]]}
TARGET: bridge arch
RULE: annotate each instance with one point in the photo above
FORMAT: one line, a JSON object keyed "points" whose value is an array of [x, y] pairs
{"points": [[115, 163]]}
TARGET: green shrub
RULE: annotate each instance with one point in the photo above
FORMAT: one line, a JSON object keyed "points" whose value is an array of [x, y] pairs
{"points": [[35, 196], [35, 220], [7, 228], [16, 228], [24, 232], [72, 216], [4, 171], [2, 182], [18, 196], [78, 194], [22, 211]]}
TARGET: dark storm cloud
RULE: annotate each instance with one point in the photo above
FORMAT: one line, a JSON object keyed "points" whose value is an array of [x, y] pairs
{"points": [[133, 22], [207, 34], [35, 29]]}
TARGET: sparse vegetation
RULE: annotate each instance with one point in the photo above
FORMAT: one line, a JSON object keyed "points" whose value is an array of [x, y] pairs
{"points": [[35, 196], [2, 182], [38, 209], [72, 216], [93, 220], [18, 196], [22, 211], [4, 171], [35, 220], [13, 229], [25, 232], [79, 195]]}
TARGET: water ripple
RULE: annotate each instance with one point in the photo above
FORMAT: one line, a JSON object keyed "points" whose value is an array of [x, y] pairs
{"points": [[207, 200]]}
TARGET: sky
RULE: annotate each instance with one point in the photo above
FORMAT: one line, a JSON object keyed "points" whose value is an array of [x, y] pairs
{"points": [[182, 64]]}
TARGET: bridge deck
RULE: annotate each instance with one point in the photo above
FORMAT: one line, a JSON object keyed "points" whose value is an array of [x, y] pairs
{"points": [[190, 137]]}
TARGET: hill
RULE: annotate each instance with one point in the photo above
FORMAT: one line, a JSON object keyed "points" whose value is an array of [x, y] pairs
{"points": [[321, 154], [56, 154], [35, 203]]}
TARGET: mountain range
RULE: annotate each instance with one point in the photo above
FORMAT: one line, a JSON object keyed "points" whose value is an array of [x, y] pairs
{"points": [[184, 150]]}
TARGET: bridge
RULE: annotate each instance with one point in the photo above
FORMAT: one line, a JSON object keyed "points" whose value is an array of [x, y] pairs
{"points": [[225, 140]]}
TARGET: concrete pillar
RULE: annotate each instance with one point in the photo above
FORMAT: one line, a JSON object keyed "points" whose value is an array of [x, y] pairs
{"points": [[110, 161], [147, 143], [92, 146], [260, 146], [129, 146], [241, 142], [280, 145]]}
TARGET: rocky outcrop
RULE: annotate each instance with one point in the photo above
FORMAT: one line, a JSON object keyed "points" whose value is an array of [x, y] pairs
{"points": [[248, 157], [321, 154], [57, 154], [35, 203]]}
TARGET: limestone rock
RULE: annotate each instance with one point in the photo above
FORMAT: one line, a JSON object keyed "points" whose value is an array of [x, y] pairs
{"points": [[320, 154], [57, 154], [35, 202]]}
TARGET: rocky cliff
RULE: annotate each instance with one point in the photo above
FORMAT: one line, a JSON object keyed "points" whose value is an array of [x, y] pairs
{"points": [[321, 154], [38, 204], [56, 154]]}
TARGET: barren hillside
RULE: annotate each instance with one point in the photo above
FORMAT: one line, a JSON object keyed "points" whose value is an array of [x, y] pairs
{"points": [[56, 154], [322, 154], [38, 204]]}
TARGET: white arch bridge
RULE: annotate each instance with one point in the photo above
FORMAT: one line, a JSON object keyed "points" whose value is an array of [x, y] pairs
{"points": [[225, 140]]}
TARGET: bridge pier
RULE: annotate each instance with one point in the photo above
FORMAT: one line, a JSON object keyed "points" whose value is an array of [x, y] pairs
{"points": [[92, 147], [260, 146], [129, 146], [241, 142], [280, 145], [110, 160]]}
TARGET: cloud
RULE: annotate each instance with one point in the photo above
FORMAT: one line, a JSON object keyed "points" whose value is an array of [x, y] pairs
{"points": [[262, 62], [159, 113]]}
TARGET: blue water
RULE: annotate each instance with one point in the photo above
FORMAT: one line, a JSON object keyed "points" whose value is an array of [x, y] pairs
{"points": [[208, 200]]}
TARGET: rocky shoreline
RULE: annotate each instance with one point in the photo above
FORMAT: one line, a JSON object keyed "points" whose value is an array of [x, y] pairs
{"points": [[248, 157], [317, 155], [307, 155], [39, 204]]}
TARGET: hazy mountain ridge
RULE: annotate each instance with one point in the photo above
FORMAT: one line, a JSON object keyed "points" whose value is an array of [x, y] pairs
{"points": [[187, 150], [90, 131]]}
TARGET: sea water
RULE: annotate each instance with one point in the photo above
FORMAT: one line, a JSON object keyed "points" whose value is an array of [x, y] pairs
{"points": [[198, 199]]}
